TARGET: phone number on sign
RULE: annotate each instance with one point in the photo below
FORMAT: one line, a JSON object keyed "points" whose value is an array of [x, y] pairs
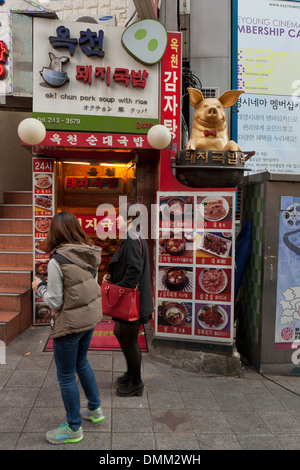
{"points": [[57, 120]]}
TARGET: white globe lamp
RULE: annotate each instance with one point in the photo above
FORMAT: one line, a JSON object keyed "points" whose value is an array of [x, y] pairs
{"points": [[31, 131], [159, 136]]}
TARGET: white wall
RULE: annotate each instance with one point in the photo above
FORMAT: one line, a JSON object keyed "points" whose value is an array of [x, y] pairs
{"points": [[73, 9]]}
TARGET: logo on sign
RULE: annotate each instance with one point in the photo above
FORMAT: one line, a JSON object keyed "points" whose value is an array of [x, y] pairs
{"points": [[146, 41], [54, 74]]}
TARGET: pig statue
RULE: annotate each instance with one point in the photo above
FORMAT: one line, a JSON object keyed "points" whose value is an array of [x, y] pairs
{"points": [[209, 128]]}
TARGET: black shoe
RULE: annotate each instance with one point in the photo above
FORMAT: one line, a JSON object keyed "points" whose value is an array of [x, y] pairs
{"points": [[125, 379], [131, 390]]}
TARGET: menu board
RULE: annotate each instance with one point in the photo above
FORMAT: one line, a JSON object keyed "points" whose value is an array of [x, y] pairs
{"points": [[194, 265], [43, 211]]}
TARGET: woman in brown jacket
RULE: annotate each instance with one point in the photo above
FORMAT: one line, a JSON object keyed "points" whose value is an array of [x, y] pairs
{"points": [[73, 293]]}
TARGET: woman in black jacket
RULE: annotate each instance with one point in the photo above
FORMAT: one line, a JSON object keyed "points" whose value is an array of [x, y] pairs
{"points": [[128, 267]]}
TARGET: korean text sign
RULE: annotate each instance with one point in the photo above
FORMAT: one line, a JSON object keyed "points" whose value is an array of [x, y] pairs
{"points": [[268, 70], [82, 76]]}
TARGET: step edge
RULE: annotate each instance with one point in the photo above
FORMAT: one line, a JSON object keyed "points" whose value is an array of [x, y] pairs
{"points": [[6, 271], [16, 252], [15, 234]]}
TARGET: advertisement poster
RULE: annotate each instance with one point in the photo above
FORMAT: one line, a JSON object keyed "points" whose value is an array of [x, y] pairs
{"points": [[194, 261], [43, 211], [287, 328], [268, 70]]}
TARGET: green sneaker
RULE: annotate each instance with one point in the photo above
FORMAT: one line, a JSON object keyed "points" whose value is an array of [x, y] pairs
{"points": [[64, 434], [96, 415]]}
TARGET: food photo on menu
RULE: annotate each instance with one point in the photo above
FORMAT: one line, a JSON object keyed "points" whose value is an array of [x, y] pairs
{"points": [[212, 319], [176, 246], [43, 203], [176, 315], [42, 225], [43, 181], [214, 211], [176, 211], [41, 268], [214, 248], [213, 284], [175, 281], [42, 312]]}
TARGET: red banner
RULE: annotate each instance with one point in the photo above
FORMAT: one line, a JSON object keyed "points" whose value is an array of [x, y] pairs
{"points": [[92, 140]]}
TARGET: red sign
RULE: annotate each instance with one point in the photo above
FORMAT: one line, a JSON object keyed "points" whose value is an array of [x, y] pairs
{"points": [[171, 88], [93, 140], [171, 108], [3, 57], [43, 165], [103, 225], [75, 182]]}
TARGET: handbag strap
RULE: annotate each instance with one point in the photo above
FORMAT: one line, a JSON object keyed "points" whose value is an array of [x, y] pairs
{"points": [[121, 292], [139, 241]]}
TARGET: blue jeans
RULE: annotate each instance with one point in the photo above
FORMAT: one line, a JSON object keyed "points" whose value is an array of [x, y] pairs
{"points": [[70, 353]]}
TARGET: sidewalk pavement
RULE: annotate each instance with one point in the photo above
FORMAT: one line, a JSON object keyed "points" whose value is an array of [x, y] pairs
{"points": [[179, 410]]}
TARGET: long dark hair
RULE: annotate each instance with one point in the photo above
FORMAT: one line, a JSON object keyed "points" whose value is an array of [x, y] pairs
{"points": [[65, 228]]}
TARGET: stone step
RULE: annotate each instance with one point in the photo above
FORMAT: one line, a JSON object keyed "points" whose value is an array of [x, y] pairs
{"points": [[11, 298], [17, 197], [16, 211], [9, 326], [17, 226], [16, 259], [12, 324], [18, 242], [17, 278]]}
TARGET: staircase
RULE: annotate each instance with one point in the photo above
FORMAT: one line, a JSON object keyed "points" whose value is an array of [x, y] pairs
{"points": [[16, 264]]}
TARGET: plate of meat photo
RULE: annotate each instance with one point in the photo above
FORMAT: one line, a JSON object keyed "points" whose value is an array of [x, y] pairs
{"points": [[42, 224], [214, 209], [43, 202], [43, 181], [212, 316], [215, 245], [213, 280]]}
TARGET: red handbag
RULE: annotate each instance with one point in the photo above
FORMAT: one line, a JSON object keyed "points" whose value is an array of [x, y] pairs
{"points": [[120, 302]]}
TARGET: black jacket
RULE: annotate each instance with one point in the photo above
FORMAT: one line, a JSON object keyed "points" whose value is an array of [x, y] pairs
{"points": [[131, 265]]}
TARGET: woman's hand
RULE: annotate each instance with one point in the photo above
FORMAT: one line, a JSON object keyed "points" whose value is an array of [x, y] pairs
{"points": [[35, 283], [106, 278]]}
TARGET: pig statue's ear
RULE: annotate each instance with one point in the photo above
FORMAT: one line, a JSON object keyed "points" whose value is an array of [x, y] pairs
{"points": [[228, 98], [195, 96]]}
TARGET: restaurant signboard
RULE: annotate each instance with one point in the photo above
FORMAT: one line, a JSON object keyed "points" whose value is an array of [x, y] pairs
{"points": [[84, 80]]}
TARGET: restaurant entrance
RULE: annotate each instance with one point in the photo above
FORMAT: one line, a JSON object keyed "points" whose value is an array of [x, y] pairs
{"points": [[92, 189]]}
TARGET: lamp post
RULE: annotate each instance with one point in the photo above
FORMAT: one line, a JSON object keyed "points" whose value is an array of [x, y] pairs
{"points": [[31, 131], [159, 137]]}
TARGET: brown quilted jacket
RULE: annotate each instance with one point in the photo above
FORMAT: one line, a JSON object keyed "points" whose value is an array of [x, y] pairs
{"points": [[81, 309]]}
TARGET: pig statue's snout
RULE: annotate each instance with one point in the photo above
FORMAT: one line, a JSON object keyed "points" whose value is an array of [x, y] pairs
{"points": [[212, 112]]}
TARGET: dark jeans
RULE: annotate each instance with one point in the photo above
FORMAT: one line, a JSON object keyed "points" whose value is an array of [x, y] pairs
{"points": [[70, 353]]}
